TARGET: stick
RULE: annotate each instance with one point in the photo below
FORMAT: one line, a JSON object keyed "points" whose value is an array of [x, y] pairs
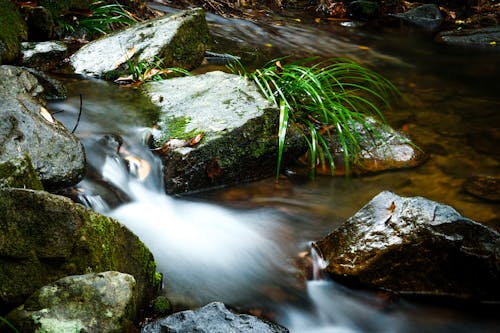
{"points": [[79, 115]]}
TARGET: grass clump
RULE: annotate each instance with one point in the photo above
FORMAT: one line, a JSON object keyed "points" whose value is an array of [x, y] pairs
{"points": [[322, 99]]}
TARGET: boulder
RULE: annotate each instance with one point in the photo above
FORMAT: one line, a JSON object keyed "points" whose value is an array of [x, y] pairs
{"points": [[415, 246], [382, 149], [484, 187], [13, 31], [484, 38], [44, 237], [19, 172], [26, 127], [426, 17], [213, 317], [179, 40], [96, 302], [237, 126], [44, 56]]}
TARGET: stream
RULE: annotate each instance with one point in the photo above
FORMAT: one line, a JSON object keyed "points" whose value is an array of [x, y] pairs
{"points": [[235, 245]]}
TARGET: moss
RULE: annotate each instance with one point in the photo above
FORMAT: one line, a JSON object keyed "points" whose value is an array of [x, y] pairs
{"points": [[19, 173], [13, 30], [175, 128], [161, 306]]}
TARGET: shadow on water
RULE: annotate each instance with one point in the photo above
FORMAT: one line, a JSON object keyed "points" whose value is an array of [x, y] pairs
{"points": [[235, 244]]}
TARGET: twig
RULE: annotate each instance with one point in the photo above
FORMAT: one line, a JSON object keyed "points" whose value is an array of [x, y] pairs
{"points": [[79, 115]]}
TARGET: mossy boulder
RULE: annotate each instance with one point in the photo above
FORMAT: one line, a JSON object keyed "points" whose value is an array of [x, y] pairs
{"points": [[238, 129], [13, 31], [44, 237], [179, 40], [19, 172], [96, 302]]}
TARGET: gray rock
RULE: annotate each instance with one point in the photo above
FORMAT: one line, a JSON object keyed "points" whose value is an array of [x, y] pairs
{"points": [[427, 17], [213, 317], [415, 246], [238, 126], [97, 302], [19, 172], [26, 127], [44, 237], [474, 38], [43, 56], [179, 40]]}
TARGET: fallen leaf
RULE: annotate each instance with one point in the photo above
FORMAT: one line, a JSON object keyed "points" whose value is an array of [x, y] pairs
{"points": [[317, 20], [364, 48], [138, 167], [46, 115], [196, 139], [123, 59], [392, 207]]}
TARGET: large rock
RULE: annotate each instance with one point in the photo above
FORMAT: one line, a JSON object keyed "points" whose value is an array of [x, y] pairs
{"points": [[44, 237], [19, 172], [484, 38], [415, 246], [426, 17], [382, 149], [213, 317], [96, 302], [179, 40], [43, 56], [26, 127], [13, 31], [238, 126]]}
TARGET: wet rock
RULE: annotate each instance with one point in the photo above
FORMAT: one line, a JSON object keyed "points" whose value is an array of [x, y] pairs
{"points": [[415, 246], [26, 127], [382, 149], [237, 126], [484, 187], [13, 31], [363, 9], [95, 302], [179, 40], [426, 17], [44, 56], [213, 317], [19, 172], [44, 237], [474, 38]]}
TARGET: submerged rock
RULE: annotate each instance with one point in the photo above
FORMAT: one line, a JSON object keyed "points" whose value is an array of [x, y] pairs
{"points": [[484, 187], [179, 40], [236, 128], [44, 237], [213, 317], [415, 246], [96, 302], [427, 17], [26, 127], [474, 38]]}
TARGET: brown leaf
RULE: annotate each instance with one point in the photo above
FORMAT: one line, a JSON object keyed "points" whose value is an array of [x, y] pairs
{"points": [[392, 207], [196, 139]]}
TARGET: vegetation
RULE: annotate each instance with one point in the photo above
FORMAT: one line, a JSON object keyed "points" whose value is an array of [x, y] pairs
{"points": [[323, 99], [8, 324], [143, 71]]}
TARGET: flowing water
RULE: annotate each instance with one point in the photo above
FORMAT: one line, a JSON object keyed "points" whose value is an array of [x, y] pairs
{"points": [[236, 245]]}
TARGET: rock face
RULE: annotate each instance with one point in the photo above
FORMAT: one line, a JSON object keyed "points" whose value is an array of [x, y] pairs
{"points": [[474, 38], [426, 17], [43, 56], [13, 30], [387, 150], [415, 246], [19, 172], [26, 127], [97, 302], [179, 40], [44, 237], [237, 125], [213, 317]]}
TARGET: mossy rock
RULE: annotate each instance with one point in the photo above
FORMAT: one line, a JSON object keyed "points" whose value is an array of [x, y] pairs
{"points": [[13, 30], [20, 173], [44, 237]]}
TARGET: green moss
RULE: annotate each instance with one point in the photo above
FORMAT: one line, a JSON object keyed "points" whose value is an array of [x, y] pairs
{"points": [[161, 305], [19, 173], [175, 128], [13, 30]]}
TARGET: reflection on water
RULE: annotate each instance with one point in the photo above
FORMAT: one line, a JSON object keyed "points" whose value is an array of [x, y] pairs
{"points": [[238, 253]]}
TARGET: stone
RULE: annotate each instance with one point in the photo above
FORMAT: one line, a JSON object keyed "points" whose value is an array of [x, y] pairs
{"points": [[179, 40], [96, 302], [388, 149], [415, 246], [44, 56], [19, 172], [237, 125], [363, 9], [213, 317], [26, 127], [13, 31], [484, 38], [44, 237], [484, 187], [426, 17]]}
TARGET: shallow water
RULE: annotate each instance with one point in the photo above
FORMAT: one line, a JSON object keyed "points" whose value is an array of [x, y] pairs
{"points": [[235, 244]]}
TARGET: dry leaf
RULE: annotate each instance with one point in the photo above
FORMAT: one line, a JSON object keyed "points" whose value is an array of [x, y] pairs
{"points": [[196, 139], [138, 167], [123, 59], [392, 207], [46, 115]]}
